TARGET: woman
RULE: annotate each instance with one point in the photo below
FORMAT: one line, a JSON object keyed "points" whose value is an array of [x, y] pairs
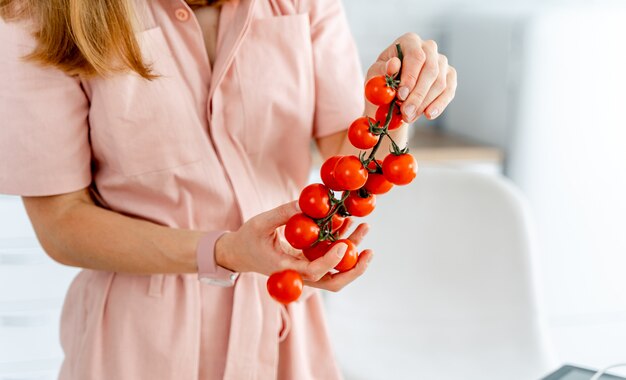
{"points": [[149, 139]]}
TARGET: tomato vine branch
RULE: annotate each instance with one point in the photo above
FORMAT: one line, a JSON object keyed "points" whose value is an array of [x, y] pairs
{"points": [[385, 128]]}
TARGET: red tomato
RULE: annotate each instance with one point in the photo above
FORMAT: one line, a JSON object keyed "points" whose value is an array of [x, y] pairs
{"points": [[349, 258], [377, 183], [336, 222], [378, 92], [285, 286], [358, 206], [327, 172], [301, 231], [359, 133], [350, 173], [399, 169], [317, 250], [396, 118], [315, 201]]}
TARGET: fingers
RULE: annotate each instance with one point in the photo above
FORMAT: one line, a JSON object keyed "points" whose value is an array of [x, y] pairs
{"points": [[288, 257], [272, 219], [413, 61], [336, 282], [390, 51], [438, 87], [347, 222], [382, 67], [428, 65], [392, 66], [287, 261], [438, 105], [427, 82], [285, 247], [359, 233], [318, 268]]}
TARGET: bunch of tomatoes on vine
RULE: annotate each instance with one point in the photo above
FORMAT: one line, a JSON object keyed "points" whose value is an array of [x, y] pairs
{"points": [[350, 186]]}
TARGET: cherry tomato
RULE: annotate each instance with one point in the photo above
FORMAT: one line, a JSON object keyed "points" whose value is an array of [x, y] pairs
{"points": [[358, 206], [377, 183], [396, 118], [350, 173], [317, 250], [378, 92], [315, 201], [359, 133], [349, 258], [336, 222], [399, 169], [301, 231], [285, 286], [327, 172]]}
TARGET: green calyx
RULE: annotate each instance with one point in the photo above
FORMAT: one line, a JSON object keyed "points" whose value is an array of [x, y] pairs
{"points": [[391, 81], [395, 149], [375, 128], [326, 223]]}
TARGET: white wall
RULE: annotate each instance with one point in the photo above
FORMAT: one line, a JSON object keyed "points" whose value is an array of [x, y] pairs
{"points": [[32, 288], [566, 153], [375, 24]]}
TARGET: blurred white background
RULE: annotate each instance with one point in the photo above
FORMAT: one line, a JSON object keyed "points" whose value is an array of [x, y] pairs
{"points": [[544, 81]]}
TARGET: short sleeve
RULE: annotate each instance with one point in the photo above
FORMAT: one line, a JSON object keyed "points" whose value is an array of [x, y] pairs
{"points": [[44, 134], [338, 74]]}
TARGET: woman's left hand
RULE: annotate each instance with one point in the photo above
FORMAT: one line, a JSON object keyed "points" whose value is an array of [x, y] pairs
{"points": [[427, 82]]}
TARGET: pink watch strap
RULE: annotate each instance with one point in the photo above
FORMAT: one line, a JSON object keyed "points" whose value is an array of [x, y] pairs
{"points": [[208, 270]]}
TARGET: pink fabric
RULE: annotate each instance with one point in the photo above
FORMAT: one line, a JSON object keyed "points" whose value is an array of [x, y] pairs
{"points": [[197, 149]]}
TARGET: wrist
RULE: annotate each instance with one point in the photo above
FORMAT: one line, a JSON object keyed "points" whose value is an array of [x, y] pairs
{"points": [[210, 270], [222, 251]]}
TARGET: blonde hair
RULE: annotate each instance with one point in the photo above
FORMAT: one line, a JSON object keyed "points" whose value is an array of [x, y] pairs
{"points": [[87, 37]]}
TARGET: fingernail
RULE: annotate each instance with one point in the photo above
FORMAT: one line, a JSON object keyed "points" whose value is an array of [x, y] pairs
{"points": [[298, 206], [433, 113], [369, 260], [403, 92], [341, 250], [409, 111]]}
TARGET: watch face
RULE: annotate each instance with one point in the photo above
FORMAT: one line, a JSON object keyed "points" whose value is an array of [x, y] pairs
{"points": [[219, 282]]}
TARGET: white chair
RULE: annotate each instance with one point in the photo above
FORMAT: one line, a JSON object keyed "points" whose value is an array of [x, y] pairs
{"points": [[450, 292]]}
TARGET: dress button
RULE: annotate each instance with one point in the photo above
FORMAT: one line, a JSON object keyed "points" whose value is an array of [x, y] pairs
{"points": [[182, 14]]}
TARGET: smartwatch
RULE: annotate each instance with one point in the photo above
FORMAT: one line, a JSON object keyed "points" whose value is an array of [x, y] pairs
{"points": [[208, 270]]}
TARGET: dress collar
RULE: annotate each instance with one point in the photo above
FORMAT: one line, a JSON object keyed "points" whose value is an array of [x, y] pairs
{"points": [[236, 16]]}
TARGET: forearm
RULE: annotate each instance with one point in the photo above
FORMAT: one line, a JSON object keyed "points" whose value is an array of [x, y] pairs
{"points": [[88, 236]]}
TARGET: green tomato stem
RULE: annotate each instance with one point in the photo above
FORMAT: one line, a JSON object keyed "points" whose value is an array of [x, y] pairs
{"points": [[337, 204]]}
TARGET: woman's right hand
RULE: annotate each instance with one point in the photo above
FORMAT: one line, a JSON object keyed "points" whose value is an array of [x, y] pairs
{"points": [[259, 246]]}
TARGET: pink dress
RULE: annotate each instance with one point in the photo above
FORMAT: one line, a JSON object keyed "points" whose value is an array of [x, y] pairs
{"points": [[196, 149]]}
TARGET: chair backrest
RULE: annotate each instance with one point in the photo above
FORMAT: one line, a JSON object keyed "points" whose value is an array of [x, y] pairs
{"points": [[450, 293]]}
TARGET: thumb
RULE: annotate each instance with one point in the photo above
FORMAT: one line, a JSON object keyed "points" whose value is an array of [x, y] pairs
{"points": [[389, 67], [392, 66], [278, 216], [289, 262]]}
